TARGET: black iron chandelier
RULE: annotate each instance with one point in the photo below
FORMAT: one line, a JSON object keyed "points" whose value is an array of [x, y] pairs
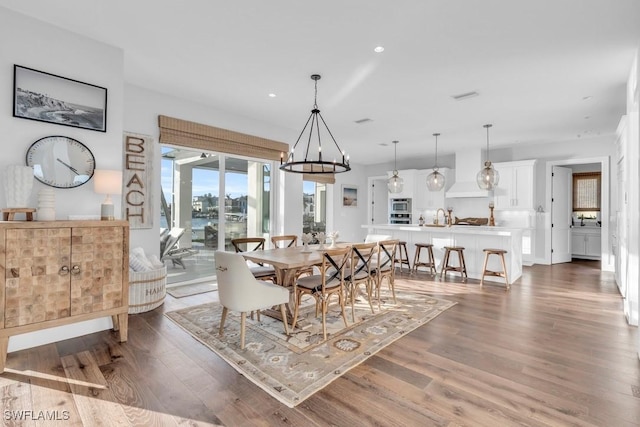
{"points": [[311, 163]]}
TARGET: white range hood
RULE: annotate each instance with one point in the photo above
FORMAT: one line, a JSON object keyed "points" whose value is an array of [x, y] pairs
{"points": [[468, 164]]}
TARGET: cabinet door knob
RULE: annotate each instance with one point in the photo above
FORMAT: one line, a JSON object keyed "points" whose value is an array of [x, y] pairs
{"points": [[64, 270], [75, 270]]}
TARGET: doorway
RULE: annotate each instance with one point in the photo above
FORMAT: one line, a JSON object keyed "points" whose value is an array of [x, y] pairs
{"points": [[607, 257], [378, 203]]}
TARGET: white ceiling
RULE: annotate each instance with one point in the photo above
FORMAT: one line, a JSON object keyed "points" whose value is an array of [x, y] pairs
{"points": [[533, 63]]}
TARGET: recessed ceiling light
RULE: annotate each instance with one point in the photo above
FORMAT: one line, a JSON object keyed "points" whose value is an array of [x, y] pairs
{"points": [[378, 49], [272, 95]]}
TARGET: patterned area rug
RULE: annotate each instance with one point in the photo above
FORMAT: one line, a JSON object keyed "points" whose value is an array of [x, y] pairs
{"points": [[292, 368]]}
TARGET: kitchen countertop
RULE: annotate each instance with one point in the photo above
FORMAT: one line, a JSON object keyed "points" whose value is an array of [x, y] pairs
{"points": [[455, 229]]}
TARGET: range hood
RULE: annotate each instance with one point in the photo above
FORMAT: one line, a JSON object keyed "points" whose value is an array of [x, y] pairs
{"points": [[468, 163]]}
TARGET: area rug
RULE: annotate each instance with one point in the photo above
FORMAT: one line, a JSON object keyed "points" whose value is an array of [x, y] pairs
{"points": [[193, 289], [292, 368]]}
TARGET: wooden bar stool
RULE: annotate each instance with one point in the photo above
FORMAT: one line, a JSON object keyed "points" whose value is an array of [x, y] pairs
{"points": [[503, 273], [461, 268], [400, 258], [416, 259]]}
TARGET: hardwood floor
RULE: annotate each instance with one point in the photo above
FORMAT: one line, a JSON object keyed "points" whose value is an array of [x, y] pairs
{"points": [[554, 350]]}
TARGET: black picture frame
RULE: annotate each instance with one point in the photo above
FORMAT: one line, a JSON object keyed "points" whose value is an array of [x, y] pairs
{"points": [[46, 97]]}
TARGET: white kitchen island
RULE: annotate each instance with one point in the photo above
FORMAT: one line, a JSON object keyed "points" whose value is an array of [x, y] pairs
{"points": [[473, 238]]}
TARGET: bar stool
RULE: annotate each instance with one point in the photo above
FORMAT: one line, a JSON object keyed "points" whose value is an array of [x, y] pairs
{"points": [[461, 268], [400, 258], [416, 259], [503, 273]]}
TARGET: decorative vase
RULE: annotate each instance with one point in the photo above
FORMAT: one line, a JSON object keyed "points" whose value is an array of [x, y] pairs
{"points": [[46, 205], [18, 182], [305, 247]]}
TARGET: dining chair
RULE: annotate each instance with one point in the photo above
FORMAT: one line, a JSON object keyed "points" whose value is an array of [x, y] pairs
{"points": [[239, 290], [284, 241], [383, 266], [248, 244], [360, 273], [322, 286]]}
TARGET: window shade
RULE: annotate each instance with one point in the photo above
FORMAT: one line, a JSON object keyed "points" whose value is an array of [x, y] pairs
{"points": [[210, 138], [586, 191], [322, 178]]}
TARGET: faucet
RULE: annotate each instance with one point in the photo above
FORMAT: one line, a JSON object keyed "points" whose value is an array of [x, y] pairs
{"points": [[444, 215]]}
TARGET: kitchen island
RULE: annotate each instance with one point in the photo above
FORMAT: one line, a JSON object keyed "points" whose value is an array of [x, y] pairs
{"points": [[473, 238]]}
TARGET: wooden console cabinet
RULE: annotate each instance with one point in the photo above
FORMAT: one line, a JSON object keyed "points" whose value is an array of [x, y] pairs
{"points": [[61, 272]]}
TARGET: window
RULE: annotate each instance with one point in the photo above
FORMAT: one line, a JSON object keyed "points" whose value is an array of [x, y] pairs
{"points": [[586, 192], [314, 205]]}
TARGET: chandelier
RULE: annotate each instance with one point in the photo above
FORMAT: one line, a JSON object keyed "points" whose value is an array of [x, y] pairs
{"points": [[313, 162], [488, 177], [395, 183], [435, 180]]}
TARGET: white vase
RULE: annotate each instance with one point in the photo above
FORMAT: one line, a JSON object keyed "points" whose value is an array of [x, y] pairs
{"points": [[18, 182], [46, 205]]}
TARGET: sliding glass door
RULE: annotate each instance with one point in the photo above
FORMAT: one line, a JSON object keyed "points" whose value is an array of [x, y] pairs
{"points": [[214, 198]]}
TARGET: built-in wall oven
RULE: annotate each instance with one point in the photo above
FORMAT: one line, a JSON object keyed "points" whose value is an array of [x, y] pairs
{"points": [[396, 218], [400, 211]]}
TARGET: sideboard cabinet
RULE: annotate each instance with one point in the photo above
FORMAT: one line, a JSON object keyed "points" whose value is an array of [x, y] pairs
{"points": [[61, 272]]}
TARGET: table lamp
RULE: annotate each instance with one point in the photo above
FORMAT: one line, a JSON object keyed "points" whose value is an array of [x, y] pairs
{"points": [[107, 182]]}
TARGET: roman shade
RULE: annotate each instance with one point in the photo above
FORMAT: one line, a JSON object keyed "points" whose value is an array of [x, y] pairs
{"points": [[586, 191], [324, 178], [210, 138]]}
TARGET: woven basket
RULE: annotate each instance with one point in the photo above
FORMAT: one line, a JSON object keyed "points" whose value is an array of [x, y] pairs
{"points": [[147, 290]]}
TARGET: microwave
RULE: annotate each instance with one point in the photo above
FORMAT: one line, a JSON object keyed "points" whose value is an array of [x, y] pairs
{"points": [[400, 206]]}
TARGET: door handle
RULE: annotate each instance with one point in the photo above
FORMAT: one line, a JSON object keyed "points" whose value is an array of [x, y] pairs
{"points": [[75, 270], [64, 270]]}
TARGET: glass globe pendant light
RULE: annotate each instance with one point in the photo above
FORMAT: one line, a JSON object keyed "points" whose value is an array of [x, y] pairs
{"points": [[488, 177], [435, 180], [395, 183]]}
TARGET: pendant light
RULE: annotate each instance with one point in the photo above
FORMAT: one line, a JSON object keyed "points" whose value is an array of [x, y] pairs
{"points": [[488, 177], [309, 164], [435, 180], [395, 183]]}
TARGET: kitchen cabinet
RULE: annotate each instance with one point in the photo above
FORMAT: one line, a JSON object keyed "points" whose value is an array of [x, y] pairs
{"points": [[408, 177], [61, 272], [586, 242], [516, 188], [424, 199]]}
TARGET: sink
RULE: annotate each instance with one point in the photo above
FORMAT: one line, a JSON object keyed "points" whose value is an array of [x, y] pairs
{"points": [[434, 225]]}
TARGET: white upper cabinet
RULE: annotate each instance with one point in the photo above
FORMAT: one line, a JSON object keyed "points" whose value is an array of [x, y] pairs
{"points": [[517, 186], [408, 176], [423, 199]]}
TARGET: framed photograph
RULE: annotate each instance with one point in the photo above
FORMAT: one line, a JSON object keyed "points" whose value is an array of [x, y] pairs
{"points": [[49, 98], [350, 196]]}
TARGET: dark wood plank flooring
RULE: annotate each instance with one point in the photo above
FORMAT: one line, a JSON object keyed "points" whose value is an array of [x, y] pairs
{"points": [[555, 350]]}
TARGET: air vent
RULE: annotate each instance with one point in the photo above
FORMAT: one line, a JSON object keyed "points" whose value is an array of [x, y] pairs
{"points": [[463, 96], [365, 120]]}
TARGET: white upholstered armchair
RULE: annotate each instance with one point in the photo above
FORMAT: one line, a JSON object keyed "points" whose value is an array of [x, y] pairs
{"points": [[240, 291]]}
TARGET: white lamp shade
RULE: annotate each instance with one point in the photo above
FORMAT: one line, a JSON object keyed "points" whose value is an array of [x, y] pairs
{"points": [[107, 182]]}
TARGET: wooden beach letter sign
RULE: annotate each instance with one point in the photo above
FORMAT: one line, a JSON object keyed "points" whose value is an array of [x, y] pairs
{"points": [[136, 197]]}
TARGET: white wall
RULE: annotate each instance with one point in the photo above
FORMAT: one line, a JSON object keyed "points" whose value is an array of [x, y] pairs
{"points": [[34, 44], [347, 220]]}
